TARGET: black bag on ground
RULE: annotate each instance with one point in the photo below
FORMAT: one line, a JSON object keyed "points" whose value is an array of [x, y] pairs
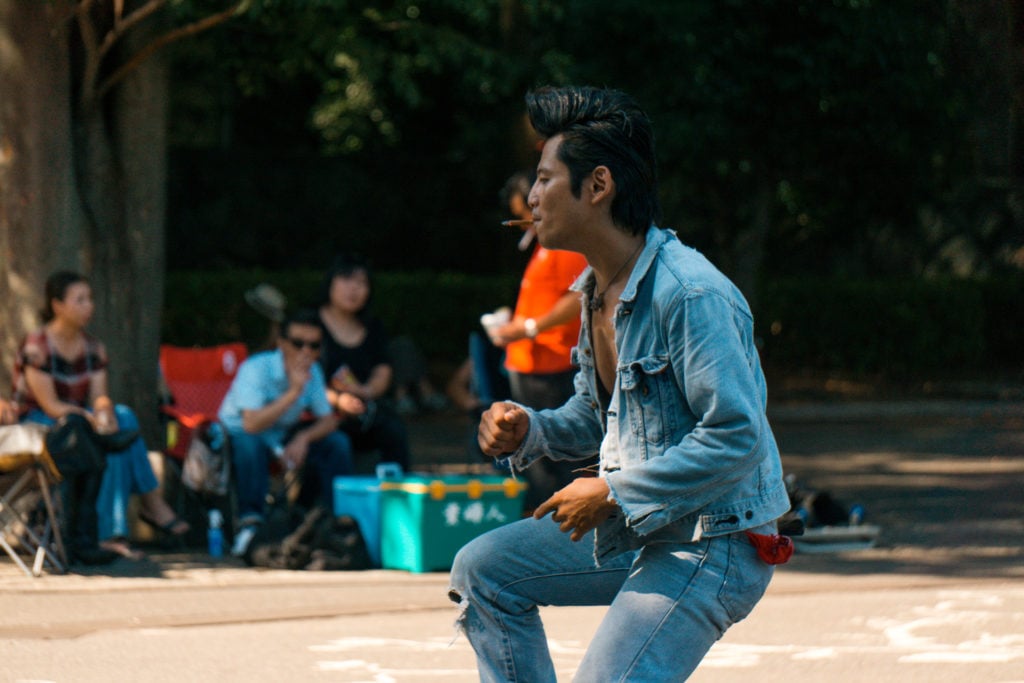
{"points": [[75, 446], [81, 457], [314, 541]]}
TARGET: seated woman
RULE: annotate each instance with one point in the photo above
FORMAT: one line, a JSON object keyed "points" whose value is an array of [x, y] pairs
{"points": [[355, 360], [62, 369]]}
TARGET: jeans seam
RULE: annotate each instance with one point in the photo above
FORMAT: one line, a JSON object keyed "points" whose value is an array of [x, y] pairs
{"points": [[628, 672], [509, 659]]}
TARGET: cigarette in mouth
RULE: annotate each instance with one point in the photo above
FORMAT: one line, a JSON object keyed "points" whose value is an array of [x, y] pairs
{"points": [[517, 223]]}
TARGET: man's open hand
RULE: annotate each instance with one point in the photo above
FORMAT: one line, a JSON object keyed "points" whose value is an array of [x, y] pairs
{"points": [[579, 507]]}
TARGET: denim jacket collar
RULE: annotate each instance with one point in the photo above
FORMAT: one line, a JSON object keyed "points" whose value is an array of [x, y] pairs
{"points": [[655, 237]]}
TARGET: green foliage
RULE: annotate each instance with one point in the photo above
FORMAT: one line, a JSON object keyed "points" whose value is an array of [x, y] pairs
{"points": [[849, 110], [372, 70], [361, 126], [376, 124]]}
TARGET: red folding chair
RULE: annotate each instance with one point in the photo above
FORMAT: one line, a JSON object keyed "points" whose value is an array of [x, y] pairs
{"points": [[197, 379]]}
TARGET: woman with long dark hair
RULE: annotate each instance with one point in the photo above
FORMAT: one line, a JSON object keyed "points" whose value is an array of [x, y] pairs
{"points": [[62, 369]]}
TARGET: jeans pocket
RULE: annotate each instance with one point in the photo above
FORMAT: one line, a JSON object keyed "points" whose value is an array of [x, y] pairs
{"points": [[746, 578]]}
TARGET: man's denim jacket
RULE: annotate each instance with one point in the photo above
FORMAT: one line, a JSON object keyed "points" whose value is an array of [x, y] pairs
{"points": [[687, 451]]}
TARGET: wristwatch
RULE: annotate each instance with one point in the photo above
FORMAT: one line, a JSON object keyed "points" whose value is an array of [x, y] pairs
{"points": [[530, 326]]}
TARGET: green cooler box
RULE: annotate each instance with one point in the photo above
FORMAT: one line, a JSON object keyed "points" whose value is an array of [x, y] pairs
{"points": [[425, 519]]}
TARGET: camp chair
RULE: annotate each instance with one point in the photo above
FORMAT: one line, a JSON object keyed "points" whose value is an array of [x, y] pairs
{"points": [[25, 468], [197, 380]]}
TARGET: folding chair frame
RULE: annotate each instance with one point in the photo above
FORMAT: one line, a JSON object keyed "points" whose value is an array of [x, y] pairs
{"points": [[45, 472]]}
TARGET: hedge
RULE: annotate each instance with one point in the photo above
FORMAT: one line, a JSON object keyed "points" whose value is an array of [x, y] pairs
{"points": [[894, 328], [438, 310]]}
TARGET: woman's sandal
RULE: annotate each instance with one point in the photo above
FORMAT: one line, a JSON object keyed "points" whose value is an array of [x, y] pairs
{"points": [[176, 527], [120, 546]]}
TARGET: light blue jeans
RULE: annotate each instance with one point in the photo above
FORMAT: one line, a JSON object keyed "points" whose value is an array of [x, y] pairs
{"points": [[128, 472], [669, 602]]}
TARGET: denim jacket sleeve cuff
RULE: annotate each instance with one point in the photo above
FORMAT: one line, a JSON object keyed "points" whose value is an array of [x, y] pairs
{"points": [[533, 447]]}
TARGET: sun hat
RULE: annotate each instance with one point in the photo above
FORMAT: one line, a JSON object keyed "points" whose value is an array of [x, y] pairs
{"points": [[267, 300]]}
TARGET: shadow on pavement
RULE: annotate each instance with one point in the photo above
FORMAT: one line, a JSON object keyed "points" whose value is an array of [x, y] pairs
{"points": [[947, 493]]}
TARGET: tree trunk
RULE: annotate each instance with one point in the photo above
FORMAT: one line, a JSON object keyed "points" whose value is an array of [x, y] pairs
{"points": [[120, 152], [82, 186], [39, 220], [142, 102]]}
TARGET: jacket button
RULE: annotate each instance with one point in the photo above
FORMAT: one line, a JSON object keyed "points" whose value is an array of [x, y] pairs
{"points": [[750, 514]]}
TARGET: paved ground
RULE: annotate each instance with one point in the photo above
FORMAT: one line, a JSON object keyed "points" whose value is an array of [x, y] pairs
{"points": [[940, 598]]}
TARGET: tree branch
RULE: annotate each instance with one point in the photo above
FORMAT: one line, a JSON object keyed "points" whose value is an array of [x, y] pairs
{"points": [[166, 39], [123, 25], [89, 44]]}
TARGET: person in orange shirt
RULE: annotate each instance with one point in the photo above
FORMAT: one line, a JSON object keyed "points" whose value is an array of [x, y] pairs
{"points": [[539, 338]]}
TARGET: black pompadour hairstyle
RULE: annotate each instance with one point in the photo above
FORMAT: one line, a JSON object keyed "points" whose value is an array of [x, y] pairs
{"points": [[603, 127]]}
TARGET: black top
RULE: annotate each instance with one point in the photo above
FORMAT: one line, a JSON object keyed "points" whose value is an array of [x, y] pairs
{"points": [[362, 359]]}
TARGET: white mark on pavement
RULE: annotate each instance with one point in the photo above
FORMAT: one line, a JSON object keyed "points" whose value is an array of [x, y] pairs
{"points": [[960, 627], [361, 643], [818, 653], [738, 656], [932, 630]]}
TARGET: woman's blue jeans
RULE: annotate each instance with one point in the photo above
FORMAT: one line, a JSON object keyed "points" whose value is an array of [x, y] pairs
{"points": [[127, 472], [669, 602]]}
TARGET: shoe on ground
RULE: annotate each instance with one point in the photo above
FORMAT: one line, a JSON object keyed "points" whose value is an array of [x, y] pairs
{"points": [[242, 540]]}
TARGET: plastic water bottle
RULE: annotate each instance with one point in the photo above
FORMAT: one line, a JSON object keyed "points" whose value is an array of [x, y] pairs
{"points": [[215, 535], [215, 436], [856, 514]]}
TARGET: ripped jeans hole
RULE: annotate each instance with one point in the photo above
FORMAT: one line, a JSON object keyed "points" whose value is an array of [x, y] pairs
{"points": [[462, 619]]}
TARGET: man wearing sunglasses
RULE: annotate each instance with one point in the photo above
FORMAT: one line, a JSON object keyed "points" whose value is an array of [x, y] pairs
{"points": [[277, 407]]}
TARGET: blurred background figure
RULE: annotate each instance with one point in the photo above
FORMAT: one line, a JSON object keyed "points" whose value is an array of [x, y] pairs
{"points": [[479, 380], [413, 390], [544, 328], [355, 359], [61, 369], [269, 302], [265, 414]]}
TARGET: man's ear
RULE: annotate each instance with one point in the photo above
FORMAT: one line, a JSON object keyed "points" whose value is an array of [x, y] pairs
{"points": [[601, 185]]}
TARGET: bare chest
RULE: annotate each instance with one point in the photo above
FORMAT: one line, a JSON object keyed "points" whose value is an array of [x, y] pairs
{"points": [[606, 356]]}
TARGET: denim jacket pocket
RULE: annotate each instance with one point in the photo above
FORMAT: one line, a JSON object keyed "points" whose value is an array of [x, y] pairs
{"points": [[647, 387]]}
